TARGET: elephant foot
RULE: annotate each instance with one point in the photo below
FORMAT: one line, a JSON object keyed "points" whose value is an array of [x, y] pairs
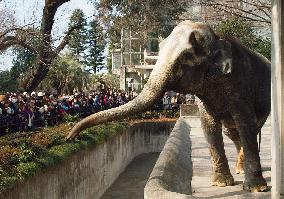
{"points": [[258, 184], [222, 180], [240, 163], [240, 170]]}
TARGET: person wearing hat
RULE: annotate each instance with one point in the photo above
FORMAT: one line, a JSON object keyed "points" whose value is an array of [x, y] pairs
{"points": [[33, 94], [40, 94]]}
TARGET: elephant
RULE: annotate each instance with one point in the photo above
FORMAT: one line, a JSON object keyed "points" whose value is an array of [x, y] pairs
{"points": [[232, 83]]}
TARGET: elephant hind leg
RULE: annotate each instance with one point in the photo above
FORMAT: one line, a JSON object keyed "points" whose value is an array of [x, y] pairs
{"points": [[240, 162], [233, 134]]}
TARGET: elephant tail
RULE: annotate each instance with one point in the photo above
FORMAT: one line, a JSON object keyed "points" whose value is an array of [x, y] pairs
{"points": [[259, 140]]}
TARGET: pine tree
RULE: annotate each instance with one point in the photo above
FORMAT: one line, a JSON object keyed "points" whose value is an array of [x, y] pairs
{"points": [[7, 83], [77, 43], [96, 45], [22, 62]]}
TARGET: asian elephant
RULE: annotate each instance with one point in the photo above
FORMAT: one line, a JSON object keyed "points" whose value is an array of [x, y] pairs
{"points": [[232, 83]]}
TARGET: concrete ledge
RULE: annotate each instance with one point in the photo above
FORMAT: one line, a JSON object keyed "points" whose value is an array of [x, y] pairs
{"points": [[172, 174], [189, 109]]}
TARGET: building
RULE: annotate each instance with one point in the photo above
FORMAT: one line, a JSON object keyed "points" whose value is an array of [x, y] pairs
{"points": [[133, 62]]}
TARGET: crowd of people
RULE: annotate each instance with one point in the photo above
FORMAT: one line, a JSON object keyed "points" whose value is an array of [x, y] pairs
{"points": [[24, 111]]}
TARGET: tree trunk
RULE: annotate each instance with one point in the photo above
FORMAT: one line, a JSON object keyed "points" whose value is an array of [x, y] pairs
{"points": [[45, 52]]}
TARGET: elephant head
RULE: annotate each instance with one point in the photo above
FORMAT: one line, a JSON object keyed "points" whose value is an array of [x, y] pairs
{"points": [[186, 56]]}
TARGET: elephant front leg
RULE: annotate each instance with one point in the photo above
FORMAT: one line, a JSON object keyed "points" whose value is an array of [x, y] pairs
{"points": [[222, 176], [247, 127], [213, 133]]}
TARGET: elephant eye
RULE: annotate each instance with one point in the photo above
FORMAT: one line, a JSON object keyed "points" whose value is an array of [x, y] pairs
{"points": [[189, 56], [218, 54]]}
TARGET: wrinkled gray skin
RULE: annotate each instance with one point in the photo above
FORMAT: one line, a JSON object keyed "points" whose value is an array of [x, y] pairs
{"points": [[233, 84]]}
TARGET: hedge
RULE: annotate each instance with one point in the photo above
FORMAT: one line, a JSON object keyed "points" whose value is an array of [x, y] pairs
{"points": [[23, 155]]}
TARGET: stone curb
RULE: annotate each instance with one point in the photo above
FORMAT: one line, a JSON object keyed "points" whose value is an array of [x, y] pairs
{"points": [[172, 174]]}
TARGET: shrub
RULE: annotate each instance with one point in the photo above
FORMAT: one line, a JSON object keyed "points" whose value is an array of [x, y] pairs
{"points": [[62, 151], [7, 181], [7, 154], [41, 140], [24, 155], [153, 114], [27, 169], [70, 119]]}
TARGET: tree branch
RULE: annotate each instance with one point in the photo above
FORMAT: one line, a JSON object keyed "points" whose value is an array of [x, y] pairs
{"points": [[9, 41], [252, 15], [17, 36], [246, 17], [232, 8], [66, 38]]}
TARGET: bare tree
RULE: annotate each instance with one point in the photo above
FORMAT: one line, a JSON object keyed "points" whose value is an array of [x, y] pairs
{"points": [[44, 49], [258, 11]]}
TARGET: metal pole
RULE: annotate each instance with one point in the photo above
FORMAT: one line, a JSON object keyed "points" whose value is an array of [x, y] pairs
{"points": [[121, 47], [140, 54], [130, 47], [122, 67]]}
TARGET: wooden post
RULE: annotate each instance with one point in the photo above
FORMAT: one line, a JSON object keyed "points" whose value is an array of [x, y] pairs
{"points": [[277, 164]]}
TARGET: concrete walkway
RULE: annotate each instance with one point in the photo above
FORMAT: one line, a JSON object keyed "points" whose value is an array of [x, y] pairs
{"points": [[132, 181], [202, 168]]}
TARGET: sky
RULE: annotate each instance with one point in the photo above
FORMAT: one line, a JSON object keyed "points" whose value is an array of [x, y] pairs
{"points": [[30, 11]]}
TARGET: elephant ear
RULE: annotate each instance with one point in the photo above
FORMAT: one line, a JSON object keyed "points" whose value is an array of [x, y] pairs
{"points": [[198, 43], [221, 60]]}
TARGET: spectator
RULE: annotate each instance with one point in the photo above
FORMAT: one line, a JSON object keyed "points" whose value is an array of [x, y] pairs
{"points": [[167, 101], [174, 102], [130, 85], [21, 112], [190, 99]]}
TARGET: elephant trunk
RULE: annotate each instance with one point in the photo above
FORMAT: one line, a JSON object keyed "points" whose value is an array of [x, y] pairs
{"points": [[153, 91]]}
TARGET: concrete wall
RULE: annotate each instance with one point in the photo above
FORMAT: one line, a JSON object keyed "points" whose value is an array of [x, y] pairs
{"points": [[89, 173], [172, 174]]}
